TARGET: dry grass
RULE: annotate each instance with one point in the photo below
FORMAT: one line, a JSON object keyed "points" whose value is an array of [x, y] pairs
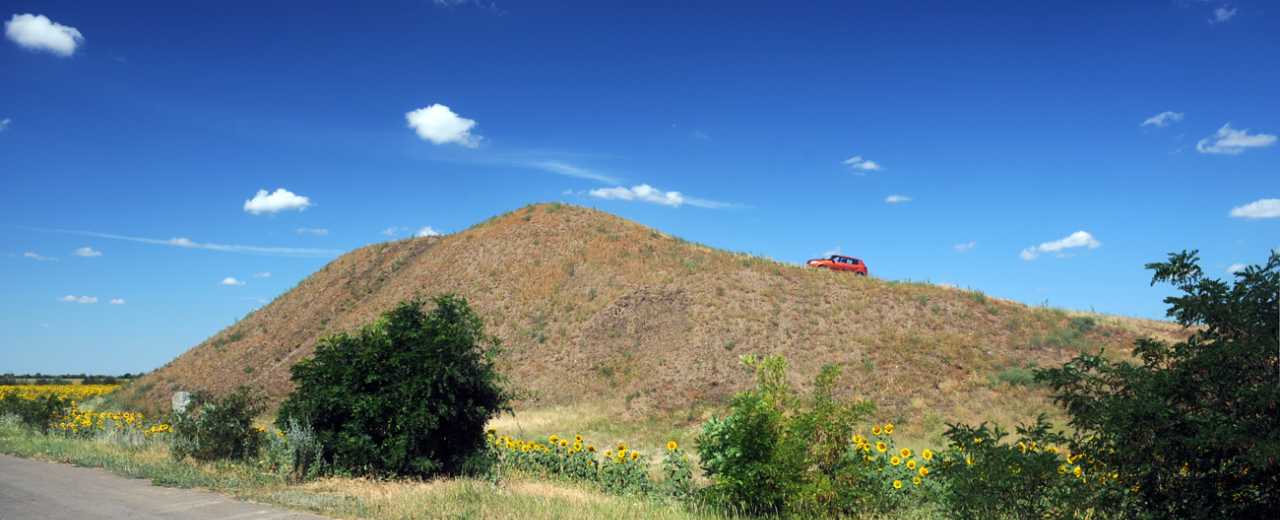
{"points": [[599, 311]]}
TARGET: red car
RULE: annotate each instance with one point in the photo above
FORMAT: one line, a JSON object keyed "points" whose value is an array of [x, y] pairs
{"points": [[840, 263]]}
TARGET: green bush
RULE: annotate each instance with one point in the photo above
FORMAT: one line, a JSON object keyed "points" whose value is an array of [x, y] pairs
{"points": [[408, 394], [37, 414], [219, 428], [1193, 429], [986, 477], [777, 452]]}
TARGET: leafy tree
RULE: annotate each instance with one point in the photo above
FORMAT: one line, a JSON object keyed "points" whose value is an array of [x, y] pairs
{"points": [[408, 394], [1192, 429]]}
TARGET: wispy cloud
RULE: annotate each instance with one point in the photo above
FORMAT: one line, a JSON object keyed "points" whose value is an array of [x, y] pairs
{"points": [[4, 124], [1163, 119], [858, 164], [87, 252], [647, 193], [426, 231], [1235, 268], [1074, 240], [264, 274], [187, 243], [70, 298], [275, 202], [38, 257], [1222, 14], [438, 124], [1230, 141], [897, 199], [117, 301], [568, 170], [232, 281], [1258, 209], [318, 232], [965, 247], [37, 32]]}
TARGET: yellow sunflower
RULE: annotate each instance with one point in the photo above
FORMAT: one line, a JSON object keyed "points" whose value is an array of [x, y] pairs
{"points": [[888, 428], [672, 446], [905, 453], [916, 480], [924, 471], [927, 454], [897, 484], [881, 447], [895, 460], [911, 464], [875, 430]]}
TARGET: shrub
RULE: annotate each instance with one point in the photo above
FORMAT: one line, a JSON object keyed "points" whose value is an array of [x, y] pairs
{"points": [[408, 394], [219, 428], [39, 413], [1193, 429], [777, 452], [986, 477], [295, 452]]}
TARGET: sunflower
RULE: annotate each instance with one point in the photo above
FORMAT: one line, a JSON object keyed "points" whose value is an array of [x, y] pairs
{"points": [[911, 464], [897, 484], [577, 438], [916, 480], [905, 453], [635, 455], [553, 438], [1077, 471], [895, 460], [564, 443], [622, 446], [927, 454], [875, 430], [924, 471], [881, 447], [672, 446], [608, 454], [591, 449], [888, 428], [857, 438]]}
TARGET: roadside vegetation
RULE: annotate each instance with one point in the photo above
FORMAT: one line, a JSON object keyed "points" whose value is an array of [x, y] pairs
{"points": [[1186, 429]]}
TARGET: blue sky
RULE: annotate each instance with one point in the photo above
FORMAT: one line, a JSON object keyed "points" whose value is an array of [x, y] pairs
{"points": [[144, 132]]}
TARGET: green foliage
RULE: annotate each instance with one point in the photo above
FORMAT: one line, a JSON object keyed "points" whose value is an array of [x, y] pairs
{"points": [[219, 428], [408, 394], [1015, 376], [1193, 429], [295, 452], [986, 477], [777, 452], [37, 414]]}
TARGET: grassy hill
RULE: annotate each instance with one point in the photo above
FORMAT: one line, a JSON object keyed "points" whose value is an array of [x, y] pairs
{"points": [[592, 307]]}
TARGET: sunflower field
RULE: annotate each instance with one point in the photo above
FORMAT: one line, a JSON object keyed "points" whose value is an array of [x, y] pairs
{"points": [[57, 409]]}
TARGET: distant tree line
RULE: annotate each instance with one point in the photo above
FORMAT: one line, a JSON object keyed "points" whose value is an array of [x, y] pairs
{"points": [[65, 379]]}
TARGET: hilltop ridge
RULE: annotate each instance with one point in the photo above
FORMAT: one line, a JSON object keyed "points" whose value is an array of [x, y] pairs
{"points": [[592, 306]]}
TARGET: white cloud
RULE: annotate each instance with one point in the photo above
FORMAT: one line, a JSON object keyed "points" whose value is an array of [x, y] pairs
{"points": [[79, 299], [87, 252], [394, 230], [569, 170], [1077, 239], [38, 257], [275, 202], [4, 124], [1230, 141], [117, 301], [438, 124], [319, 232], [187, 243], [1235, 268], [647, 193], [232, 281], [1223, 14], [38, 32], [1261, 208], [1163, 119], [966, 246], [264, 274], [897, 199], [863, 165], [426, 231]]}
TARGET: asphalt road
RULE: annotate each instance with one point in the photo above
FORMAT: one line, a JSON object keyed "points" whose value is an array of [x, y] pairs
{"points": [[44, 490]]}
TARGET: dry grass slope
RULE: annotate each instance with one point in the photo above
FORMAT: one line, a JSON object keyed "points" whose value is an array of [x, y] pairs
{"points": [[592, 307]]}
